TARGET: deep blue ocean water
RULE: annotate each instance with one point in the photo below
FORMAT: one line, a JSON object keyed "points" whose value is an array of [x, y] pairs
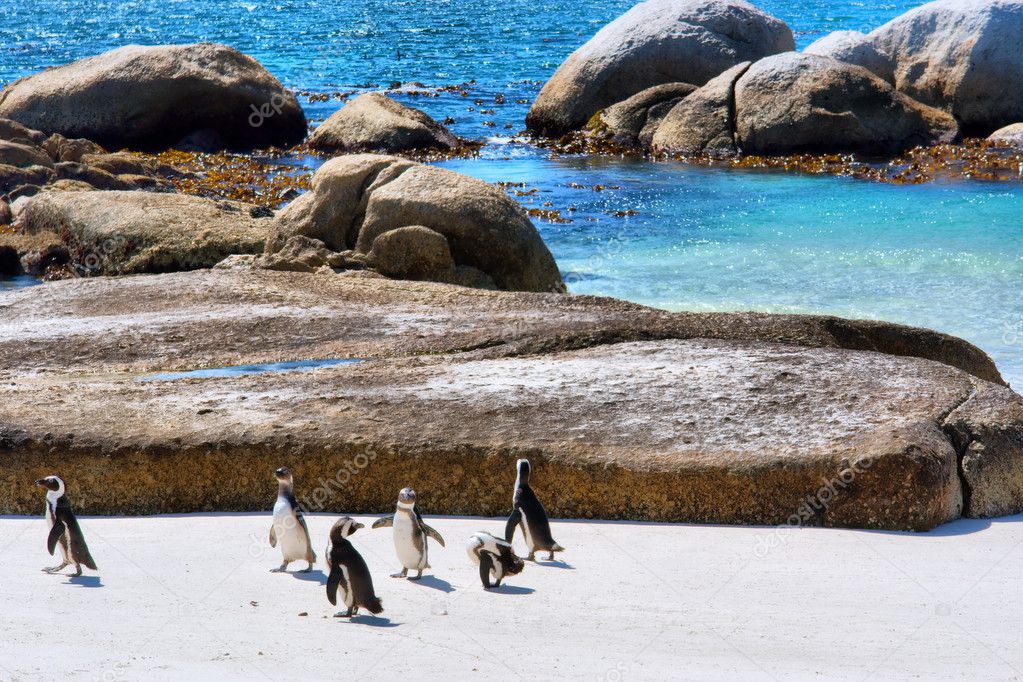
{"points": [[946, 255]]}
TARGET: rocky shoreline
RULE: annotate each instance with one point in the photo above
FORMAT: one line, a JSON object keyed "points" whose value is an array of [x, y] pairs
{"points": [[471, 353]]}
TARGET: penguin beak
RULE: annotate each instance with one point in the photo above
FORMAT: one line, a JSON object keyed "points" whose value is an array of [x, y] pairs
{"points": [[356, 526], [41, 483]]}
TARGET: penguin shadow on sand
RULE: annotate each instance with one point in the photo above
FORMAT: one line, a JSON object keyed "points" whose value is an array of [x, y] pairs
{"points": [[370, 620], [315, 576], [434, 583], [505, 588], [88, 581], [556, 563]]}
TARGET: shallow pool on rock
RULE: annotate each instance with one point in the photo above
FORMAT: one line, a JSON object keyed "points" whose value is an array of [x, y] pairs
{"points": [[19, 282], [243, 370]]}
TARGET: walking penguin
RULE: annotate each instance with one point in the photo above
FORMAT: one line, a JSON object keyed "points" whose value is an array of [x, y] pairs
{"points": [[410, 535], [348, 572], [494, 556], [289, 529], [528, 513], [64, 528]]}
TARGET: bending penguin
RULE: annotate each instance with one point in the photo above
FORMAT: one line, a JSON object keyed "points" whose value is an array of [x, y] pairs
{"points": [[289, 529], [410, 535], [494, 556], [348, 572], [528, 513], [64, 528]]}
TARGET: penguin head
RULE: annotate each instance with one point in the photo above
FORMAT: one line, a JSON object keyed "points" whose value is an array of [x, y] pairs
{"points": [[284, 475], [523, 469], [52, 483], [344, 527], [407, 496]]}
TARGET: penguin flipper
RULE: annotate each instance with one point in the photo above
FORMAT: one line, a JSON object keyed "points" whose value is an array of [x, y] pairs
{"points": [[335, 579], [486, 566], [432, 532], [514, 520], [273, 537], [384, 522], [55, 534]]}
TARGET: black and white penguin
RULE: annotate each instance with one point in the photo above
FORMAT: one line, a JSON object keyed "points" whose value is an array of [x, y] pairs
{"points": [[528, 513], [494, 556], [410, 535], [64, 528], [289, 529], [348, 572]]}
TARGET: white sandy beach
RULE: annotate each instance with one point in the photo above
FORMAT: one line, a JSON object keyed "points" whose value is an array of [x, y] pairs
{"points": [[190, 597]]}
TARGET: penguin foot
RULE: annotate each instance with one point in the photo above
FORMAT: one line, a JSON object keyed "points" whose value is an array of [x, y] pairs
{"points": [[307, 569], [418, 576], [550, 557], [54, 569], [531, 557], [400, 574], [280, 569], [343, 614], [78, 572]]}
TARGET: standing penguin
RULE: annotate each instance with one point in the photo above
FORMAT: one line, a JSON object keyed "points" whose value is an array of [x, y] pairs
{"points": [[410, 535], [528, 513], [289, 527], [494, 556], [64, 528], [348, 571]]}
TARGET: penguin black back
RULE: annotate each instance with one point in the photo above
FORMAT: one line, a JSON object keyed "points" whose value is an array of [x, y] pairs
{"points": [[348, 570], [529, 514]]}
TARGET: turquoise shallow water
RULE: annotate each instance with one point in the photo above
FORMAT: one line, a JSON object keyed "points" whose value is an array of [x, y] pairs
{"points": [[947, 255]]}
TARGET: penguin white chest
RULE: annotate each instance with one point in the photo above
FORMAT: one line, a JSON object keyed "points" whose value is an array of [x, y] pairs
{"points": [[348, 596], [51, 518], [525, 531], [405, 542], [290, 536]]}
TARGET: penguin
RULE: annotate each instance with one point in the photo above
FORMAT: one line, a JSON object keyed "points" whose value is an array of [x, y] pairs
{"points": [[528, 513], [410, 535], [289, 527], [64, 528], [494, 557], [348, 571]]}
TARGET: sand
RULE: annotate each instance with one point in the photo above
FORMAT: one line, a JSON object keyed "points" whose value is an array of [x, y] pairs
{"points": [[191, 596]]}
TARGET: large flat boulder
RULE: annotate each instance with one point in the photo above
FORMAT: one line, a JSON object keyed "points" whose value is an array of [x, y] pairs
{"points": [[637, 413], [122, 232], [375, 122], [806, 103], [356, 200], [655, 42], [151, 97]]}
